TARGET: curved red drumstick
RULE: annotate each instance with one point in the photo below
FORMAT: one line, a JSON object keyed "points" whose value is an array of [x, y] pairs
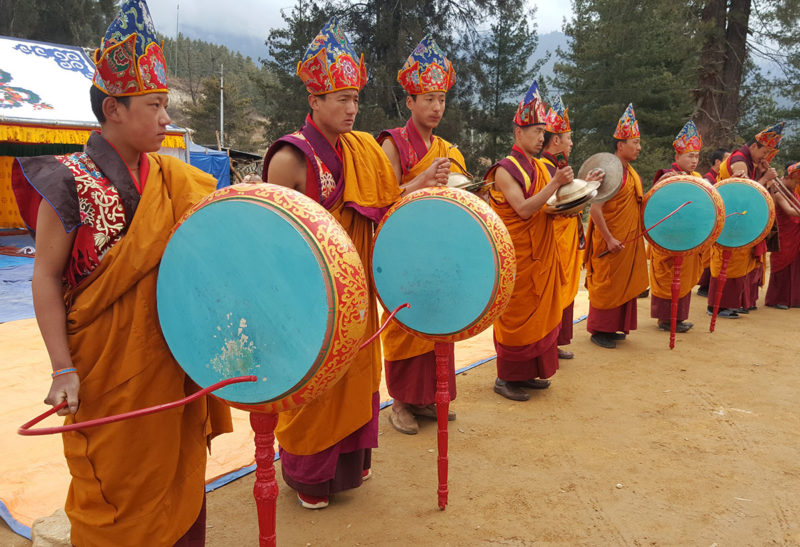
{"points": [[25, 429], [385, 324], [640, 234]]}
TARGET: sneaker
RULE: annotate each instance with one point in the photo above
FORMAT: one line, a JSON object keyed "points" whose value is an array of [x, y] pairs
{"points": [[724, 313], [742, 311], [604, 340], [564, 354], [781, 307], [680, 326], [366, 474], [312, 502]]}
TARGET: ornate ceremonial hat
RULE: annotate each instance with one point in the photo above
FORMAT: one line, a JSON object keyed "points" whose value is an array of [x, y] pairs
{"points": [[627, 126], [688, 140], [427, 69], [129, 60], [330, 62], [531, 110], [793, 168], [771, 136], [558, 117]]}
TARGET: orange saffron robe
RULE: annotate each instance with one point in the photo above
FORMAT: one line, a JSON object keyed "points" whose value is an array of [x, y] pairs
{"points": [[399, 344], [536, 307], [567, 233], [660, 269], [618, 278], [141, 481], [369, 182]]}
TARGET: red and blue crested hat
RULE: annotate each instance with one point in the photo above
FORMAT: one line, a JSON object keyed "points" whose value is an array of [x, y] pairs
{"points": [[130, 61], [531, 110], [627, 126], [427, 69], [558, 118], [688, 140], [793, 168], [771, 136], [330, 62]]}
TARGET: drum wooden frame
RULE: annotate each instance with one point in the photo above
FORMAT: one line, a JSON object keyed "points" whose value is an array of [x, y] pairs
{"points": [[252, 324], [740, 230]]}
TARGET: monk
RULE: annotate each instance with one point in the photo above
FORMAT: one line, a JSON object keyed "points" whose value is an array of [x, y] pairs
{"points": [[526, 333], [745, 269], [568, 229], [615, 280], [413, 150], [687, 147], [784, 276], [325, 445], [102, 219], [717, 157]]}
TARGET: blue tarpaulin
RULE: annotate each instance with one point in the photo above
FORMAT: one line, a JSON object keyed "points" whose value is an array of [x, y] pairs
{"points": [[213, 162], [16, 273]]}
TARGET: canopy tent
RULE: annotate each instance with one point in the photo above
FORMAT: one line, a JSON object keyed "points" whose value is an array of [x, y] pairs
{"points": [[214, 162], [45, 109]]}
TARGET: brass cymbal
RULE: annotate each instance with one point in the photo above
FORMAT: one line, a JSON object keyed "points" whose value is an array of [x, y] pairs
{"points": [[612, 167]]}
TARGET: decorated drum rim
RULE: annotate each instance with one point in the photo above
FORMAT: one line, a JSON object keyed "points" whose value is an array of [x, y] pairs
{"points": [[767, 199], [503, 254], [716, 200], [329, 364]]}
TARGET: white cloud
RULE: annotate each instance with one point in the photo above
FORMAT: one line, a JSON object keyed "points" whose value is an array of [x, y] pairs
{"points": [[246, 17]]}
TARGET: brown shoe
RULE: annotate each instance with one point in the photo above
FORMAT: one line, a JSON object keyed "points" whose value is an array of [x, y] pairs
{"points": [[429, 411], [510, 391], [533, 383], [403, 421], [564, 354]]}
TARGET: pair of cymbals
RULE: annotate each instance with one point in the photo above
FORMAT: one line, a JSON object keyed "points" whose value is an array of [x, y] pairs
{"points": [[558, 207]]}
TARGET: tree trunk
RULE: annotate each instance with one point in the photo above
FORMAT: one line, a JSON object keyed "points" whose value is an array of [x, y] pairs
{"points": [[721, 69]]}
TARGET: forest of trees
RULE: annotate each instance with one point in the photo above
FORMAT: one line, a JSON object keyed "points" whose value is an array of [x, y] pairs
{"points": [[674, 61]]}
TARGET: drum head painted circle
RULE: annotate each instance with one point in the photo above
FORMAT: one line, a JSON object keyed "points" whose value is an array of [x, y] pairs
{"points": [[445, 252], [750, 212], [248, 285], [693, 226]]}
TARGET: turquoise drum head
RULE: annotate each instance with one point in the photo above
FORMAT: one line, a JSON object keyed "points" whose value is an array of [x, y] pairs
{"points": [[437, 254], [691, 226], [244, 288], [749, 210]]}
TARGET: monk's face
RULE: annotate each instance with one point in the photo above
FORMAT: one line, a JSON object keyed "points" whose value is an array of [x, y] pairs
{"points": [[628, 150], [335, 112], [143, 122], [688, 161], [427, 109], [562, 142], [758, 152], [530, 138]]}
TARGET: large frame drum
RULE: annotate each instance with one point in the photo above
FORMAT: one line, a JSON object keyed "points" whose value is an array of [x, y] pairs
{"points": [[447, 254], [692, 228], [259, 279]]}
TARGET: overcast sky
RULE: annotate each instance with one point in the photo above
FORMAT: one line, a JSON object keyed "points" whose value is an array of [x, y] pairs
{"points": [[253, 18]]}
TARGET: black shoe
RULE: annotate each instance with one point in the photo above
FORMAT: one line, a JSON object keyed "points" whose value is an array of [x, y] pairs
{"points": [[724, 313], [781, 307], [702, 291], [752, 308], [604, 340], [680, 326], [618, 335], [644, 294], [510, 391], [533, 383], [742, 311]]}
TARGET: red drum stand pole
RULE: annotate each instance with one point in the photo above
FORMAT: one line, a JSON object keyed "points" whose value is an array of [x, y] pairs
{"points": [[677, 263], [265, 490], [723, 276], [442, 351]]}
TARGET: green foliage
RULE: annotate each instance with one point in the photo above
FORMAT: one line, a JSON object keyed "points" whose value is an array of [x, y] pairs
{"points": [[73, 22]]}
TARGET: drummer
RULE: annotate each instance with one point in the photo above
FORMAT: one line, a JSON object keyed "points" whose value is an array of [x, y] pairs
{"points": [[717, 157], [418, 157], [616, 279], [687, 147], [134, 482], [325, 445], [784, 275], [526, 334], [568, 229], [746, 264]]}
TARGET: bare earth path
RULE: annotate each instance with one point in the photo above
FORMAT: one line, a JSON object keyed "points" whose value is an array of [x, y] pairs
{"points": [[634, 446]]}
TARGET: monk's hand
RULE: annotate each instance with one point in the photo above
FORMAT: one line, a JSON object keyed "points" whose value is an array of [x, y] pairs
{"points": [[64, 388], [596, 175], [614, 245], [769, 175], [438, 172], [563, 176]]}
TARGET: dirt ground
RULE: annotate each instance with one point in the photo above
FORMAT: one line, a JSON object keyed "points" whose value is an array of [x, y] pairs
{"points": [[634, 446]]}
